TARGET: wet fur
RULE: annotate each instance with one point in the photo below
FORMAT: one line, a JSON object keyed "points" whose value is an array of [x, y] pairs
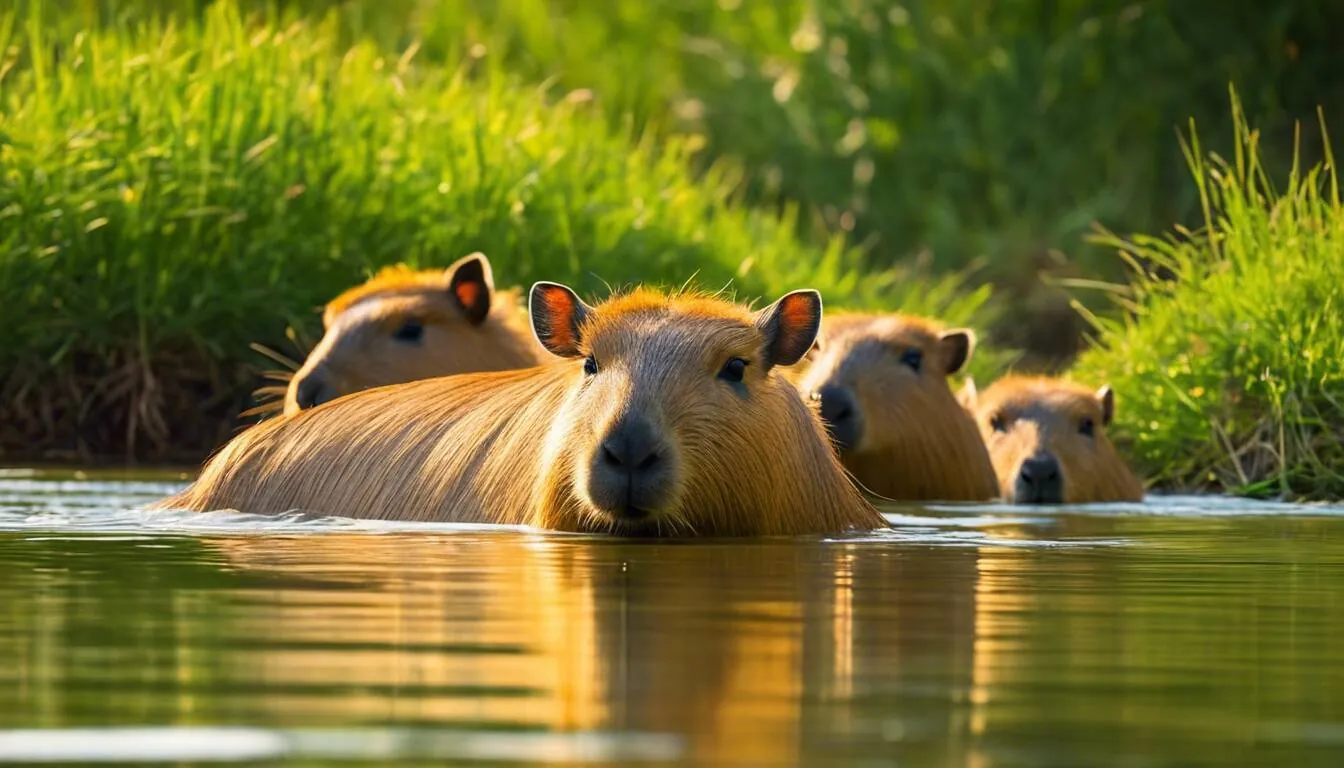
{"points": [[358, 351], [510, 447], [1041, 412], [918, 442]]}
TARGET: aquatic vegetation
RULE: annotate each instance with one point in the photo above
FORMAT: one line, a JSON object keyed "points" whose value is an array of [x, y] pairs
{"points": [[175, 191], [1229, 358]]}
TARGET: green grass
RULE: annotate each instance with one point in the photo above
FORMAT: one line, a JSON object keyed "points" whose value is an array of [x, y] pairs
{"points": [[964, 129], [173, 192], [1229, 364]]}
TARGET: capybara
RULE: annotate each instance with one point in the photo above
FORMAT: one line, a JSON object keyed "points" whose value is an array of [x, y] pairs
{"points": [[1047, 439], [665, 417], [880, 385], [405, 325]]}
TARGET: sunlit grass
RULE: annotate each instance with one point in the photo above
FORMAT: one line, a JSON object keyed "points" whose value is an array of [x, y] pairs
{"points": [[1230, 363], [962, 129], [172, 193]]}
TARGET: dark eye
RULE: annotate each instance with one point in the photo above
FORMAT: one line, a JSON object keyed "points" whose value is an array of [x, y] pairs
{"points": [[410, 331], [1086, 427], [997, 424], [913, 358], [590, 365], [733, 370]]}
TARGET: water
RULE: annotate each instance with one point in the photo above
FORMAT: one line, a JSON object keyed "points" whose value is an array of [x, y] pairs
{"points": [[1179, 632]]}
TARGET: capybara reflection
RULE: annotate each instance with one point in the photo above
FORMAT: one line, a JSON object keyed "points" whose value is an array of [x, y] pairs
{"points": [[1047, 438], [880, 384], [666, 417], [405, 325]]}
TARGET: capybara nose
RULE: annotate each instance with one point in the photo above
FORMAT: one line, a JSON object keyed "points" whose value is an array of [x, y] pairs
{"points": [[840, 414], [631, 447], [311, 391], [1040, 481], [630, 477]]}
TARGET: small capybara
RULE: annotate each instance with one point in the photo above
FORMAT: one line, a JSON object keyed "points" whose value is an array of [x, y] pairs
{"points": [[1047, 438], [665, 417], [405, 325], [880, 385]]}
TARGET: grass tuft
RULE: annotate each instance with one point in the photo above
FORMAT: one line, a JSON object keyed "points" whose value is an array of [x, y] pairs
{"points": [[1229, 362]]}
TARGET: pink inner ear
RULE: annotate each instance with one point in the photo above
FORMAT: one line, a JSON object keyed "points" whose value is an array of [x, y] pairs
{"points": [[795, 314], [468, 293], [559, 311]]}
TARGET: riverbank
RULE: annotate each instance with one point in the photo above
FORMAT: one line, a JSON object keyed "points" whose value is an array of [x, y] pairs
{"points": [[1230, 349]]}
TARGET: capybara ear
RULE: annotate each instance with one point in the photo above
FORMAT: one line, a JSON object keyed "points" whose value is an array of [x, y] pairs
{"points": [[968, 394], [557, 316], [790, 326], [472, 283], [958, 346], [1107, 399]]}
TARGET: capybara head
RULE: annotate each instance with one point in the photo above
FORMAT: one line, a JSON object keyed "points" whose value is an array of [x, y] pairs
{"points": [[1047, 439], [880, 385], [404, 325], [679, 420]]}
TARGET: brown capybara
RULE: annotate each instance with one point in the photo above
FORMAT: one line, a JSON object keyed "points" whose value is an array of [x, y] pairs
{"points": [[405, 325], [1047, 439], [880, 384], [666, 417]]}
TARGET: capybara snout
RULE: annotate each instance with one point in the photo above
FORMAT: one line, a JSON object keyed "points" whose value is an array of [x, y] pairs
{"points": [[310, 388], [840, 413], [1047, 439], [1039, 481], [631, 476]]}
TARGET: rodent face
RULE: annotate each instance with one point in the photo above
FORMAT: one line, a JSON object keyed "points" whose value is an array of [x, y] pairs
{"points": [[668, 419], [1047, 441], [420, 328], [879, 381]]}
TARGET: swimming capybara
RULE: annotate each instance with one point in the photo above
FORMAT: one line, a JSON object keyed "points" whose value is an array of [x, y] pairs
{"points": [[1047, 439], [405, 325], [666, 417], [880, 385]]}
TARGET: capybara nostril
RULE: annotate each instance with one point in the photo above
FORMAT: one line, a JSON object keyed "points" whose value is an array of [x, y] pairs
{"points": [[840, 414], [1039, 480], [311, 391], [1040, 469], [836, 403], [630, 478]]}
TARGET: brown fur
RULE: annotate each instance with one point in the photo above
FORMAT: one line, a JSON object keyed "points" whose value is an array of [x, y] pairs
{"points": [[514, 447], [359, 349], [917, 443], [1038, 413]]}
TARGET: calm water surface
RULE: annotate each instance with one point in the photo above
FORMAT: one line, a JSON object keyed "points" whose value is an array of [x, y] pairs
{"points": [[1180, 632]]}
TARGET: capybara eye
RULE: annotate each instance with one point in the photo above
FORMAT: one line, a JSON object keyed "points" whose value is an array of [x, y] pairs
{"points": [[1086, 427], [410, 331], [996, 422], [589, 365], [733, 370], [913, 358]]}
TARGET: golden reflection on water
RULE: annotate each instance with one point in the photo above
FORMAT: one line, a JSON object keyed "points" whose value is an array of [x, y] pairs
{"points": [[771, 652], [707, 641]]}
